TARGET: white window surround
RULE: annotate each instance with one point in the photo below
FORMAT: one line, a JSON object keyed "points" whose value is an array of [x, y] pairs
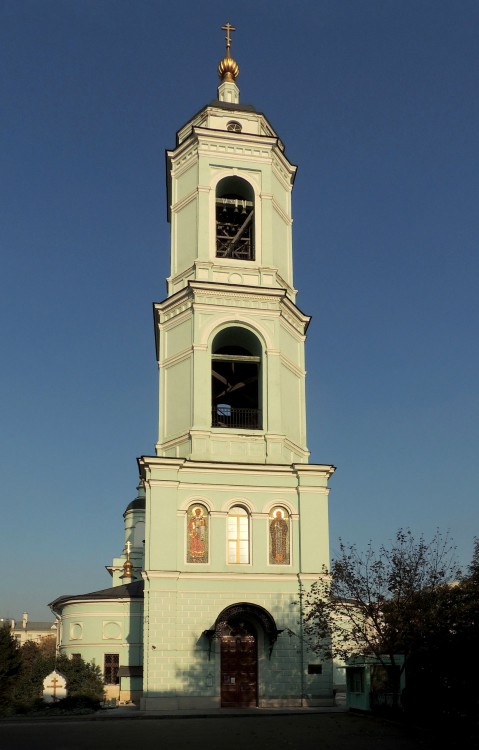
{"points": [[238, 536]]}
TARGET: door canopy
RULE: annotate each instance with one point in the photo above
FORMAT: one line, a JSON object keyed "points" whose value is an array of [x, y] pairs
{"points": [[250, 613]]}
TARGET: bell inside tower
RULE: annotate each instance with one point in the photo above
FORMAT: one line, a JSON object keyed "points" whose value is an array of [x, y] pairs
{"points": [[234, 219]]}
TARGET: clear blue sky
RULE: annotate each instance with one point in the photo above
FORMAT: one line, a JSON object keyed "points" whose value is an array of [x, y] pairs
{"points": [[377, 102]]}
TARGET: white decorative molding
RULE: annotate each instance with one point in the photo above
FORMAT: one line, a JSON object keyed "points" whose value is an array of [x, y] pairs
{"points": [[76, 631], [238, 500], [183, 202], [190, 500], [297, 371], [181, 157], [111, 630], [268, 507], [177, 358]]}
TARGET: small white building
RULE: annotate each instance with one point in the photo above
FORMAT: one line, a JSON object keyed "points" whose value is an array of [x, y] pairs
{"points": [[31, 630]]}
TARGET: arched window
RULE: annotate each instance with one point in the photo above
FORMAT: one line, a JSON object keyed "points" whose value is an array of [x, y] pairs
{"points": [[279, 536], [235, 379], [238, 535], [197, 523], [234, 126], [234, 219]]}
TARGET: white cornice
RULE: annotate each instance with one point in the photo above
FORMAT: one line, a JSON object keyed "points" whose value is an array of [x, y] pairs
{"points": [[269, 143], [204, 575], [233, 293], [299, 372], [216, 467], [189, 198], [177, 358], [176, 315], [323, 470], [281, 212]]}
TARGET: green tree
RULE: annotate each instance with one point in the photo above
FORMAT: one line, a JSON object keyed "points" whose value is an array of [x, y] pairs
{"points": [[443, 670], [37, 659], [84, 680], [9, 667], [473, 568], [382, 603]]}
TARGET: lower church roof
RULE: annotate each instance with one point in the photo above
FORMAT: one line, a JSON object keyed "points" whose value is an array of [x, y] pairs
{"points": [[133, 590]]}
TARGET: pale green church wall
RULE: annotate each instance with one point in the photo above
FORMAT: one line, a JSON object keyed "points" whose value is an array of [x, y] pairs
{"points": [[167, 523], [176, 338], [185, 236], [177, 380], [258, 174], [291, 345], [280, 236], [201, 314], [314, 526], [183, 667], [95, 628], [186, 182], [281, 193], [291, 408], [264, 235], [161, 524]]}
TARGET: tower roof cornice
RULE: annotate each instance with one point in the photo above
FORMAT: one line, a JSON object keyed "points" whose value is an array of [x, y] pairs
{"points": [[216, 106]]}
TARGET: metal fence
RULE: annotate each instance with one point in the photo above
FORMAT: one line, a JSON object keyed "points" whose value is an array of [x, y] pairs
{"points": [[224, 415]]}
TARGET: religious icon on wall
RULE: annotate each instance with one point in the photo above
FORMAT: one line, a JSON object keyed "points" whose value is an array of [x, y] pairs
{"points": [[197, 535], [278, 537]]}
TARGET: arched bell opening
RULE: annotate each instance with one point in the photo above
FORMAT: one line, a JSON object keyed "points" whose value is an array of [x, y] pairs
{"points": [[236, 380], [234, 219]]}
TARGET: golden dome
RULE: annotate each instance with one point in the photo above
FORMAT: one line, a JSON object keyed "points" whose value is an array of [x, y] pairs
{"points": [[228, 69]]}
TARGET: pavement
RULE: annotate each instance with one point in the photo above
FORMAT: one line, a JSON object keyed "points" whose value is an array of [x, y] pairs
{"points": [[124, 727], [133, 712]]}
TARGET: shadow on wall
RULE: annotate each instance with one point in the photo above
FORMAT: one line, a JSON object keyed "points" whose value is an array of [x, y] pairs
{"points": [[279, 674]]}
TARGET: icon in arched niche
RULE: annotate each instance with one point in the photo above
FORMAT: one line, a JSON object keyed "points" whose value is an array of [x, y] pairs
{"points": [[279, 537], [197, 534]]}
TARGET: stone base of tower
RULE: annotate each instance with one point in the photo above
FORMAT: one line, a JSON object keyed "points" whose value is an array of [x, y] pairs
{"points": [[223, 632], [185, 649]]}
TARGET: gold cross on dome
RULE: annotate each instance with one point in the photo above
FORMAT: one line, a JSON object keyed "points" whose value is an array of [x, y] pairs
{"points": [[228, 28]]}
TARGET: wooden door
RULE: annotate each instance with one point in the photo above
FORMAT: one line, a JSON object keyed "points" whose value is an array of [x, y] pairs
{"points": [[239, 667]]}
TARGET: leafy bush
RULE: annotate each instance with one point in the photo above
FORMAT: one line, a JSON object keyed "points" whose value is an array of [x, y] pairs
{"points": [[36, 661]]}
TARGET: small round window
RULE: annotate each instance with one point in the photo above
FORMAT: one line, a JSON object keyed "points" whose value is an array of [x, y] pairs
{"points": [[234, 126]]}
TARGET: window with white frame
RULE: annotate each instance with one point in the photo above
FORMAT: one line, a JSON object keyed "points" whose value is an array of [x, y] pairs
{"points": [[238, 535]]}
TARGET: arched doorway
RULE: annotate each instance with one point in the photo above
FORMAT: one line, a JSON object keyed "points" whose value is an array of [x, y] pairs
{"points": [[237, 628], [239, 664]]}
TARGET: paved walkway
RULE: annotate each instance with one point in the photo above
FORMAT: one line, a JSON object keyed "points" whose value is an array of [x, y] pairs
{"points": [[266, 729], [133, 712]]}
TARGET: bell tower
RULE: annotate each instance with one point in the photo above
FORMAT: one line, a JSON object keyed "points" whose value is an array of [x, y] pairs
{"points": [[230, 339], [236, 516]]}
